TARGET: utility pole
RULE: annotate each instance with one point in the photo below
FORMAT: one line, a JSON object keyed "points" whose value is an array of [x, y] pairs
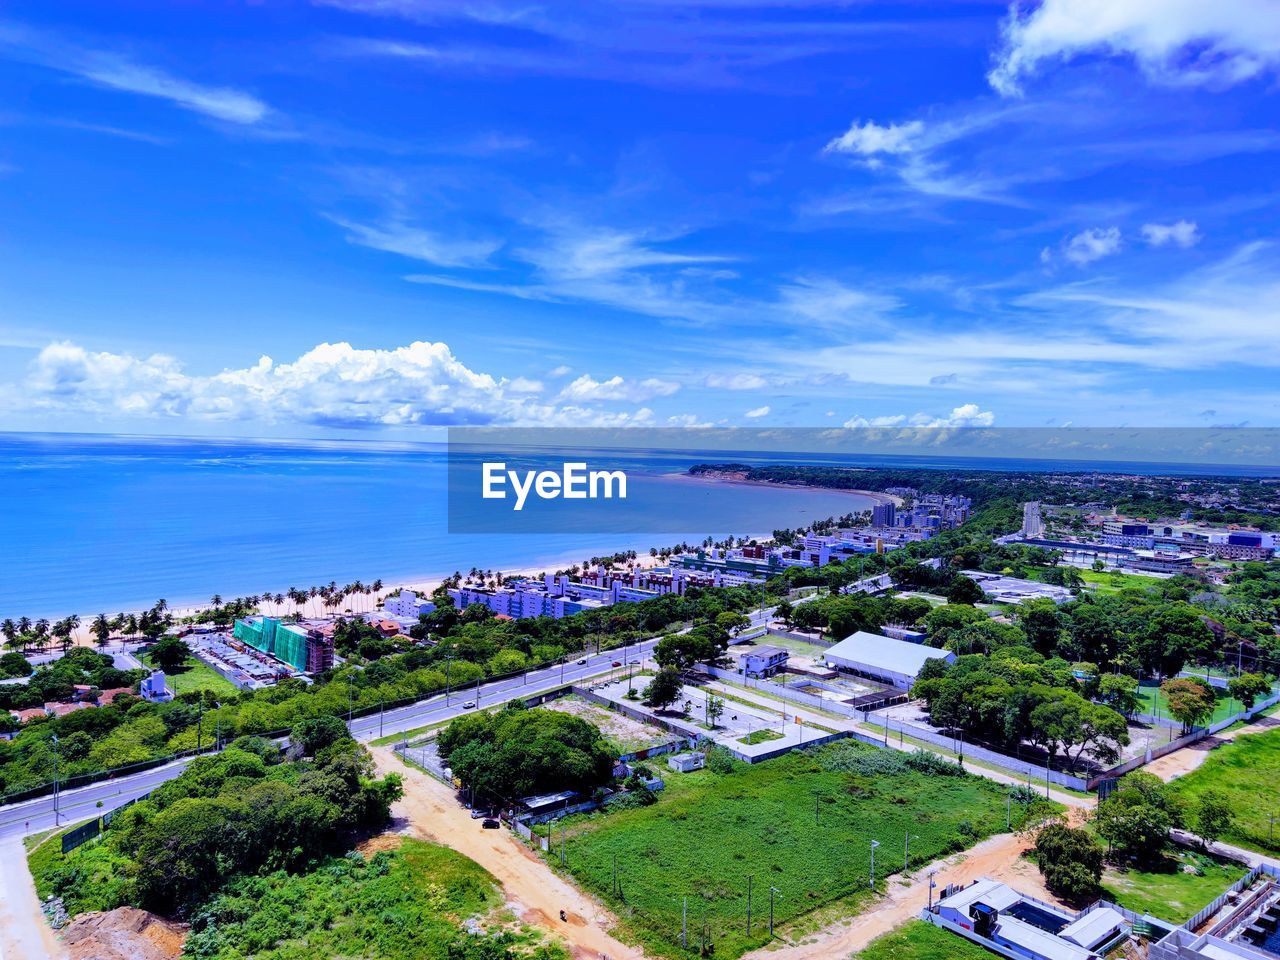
{"points": [[55, 779], [816, 800], [906, 853], [615, 874], [932, 884], [1008, 811], [382, 712], [874, 844], [772, 891], [448, 663], [684, 924], [200, 724], [749, 879]]}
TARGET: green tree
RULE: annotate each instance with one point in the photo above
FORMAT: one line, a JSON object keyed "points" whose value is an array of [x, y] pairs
{"points": [[664, 689], [169, 653], [1213, 816], [1191, 700], [1248, 687], [964, 590], [1069, 860]]}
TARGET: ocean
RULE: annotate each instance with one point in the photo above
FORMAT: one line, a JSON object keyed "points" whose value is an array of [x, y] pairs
{"points": [[98, 524], [106, 524]]}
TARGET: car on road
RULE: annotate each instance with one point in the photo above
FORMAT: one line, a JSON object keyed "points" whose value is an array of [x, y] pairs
{"points": [[616, 663], [490, 824], [469, 705], [582, 661]]}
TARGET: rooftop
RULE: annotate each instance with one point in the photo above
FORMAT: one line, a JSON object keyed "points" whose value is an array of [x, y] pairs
{"points": [[883, 653]]}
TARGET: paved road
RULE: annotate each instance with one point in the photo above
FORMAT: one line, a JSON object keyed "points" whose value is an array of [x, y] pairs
{"points": [[82, 803]]}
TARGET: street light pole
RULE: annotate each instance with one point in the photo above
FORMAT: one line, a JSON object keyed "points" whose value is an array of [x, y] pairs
{"points": [[448, 664], [55, 779], [906, 853]]}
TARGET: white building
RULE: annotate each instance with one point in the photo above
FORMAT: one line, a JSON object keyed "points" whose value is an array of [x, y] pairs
{"points": [[407, 605], [895, 662]]}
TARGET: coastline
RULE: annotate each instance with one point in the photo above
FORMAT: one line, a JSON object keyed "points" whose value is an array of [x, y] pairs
{"points": [[425, 583], [874, 495]]}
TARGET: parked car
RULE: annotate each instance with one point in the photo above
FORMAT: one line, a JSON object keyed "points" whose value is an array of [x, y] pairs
{"points": [[490, 824]]}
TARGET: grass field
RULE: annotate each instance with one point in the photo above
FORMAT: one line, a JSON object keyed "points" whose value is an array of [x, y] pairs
{"points": [[1246, 772], [1171, 894], [1110, 581], [793, 824], [760, 736], [917, 940], [195, 675], [1152, 699]]}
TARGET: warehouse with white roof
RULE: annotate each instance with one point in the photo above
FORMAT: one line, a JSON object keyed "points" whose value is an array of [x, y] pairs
{"points": [[895, 662]]}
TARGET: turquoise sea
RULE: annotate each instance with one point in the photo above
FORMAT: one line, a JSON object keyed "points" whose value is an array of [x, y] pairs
{"points": [[90, 524]]}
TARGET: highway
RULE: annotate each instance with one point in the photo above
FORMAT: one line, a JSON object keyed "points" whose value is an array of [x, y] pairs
{"points": [[82, 803]]}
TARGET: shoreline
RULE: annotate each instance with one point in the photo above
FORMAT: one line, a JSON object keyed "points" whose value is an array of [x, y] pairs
{"points": [[424, 583], [875, 495]]}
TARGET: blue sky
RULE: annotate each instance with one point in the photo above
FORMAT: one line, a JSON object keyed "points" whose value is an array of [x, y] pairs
{"points": [[377, 217]]}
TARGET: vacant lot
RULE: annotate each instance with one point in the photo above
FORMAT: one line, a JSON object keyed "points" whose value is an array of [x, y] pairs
{"points": [[195, 675], [623, 734], [1246, 772], [918, 940], [799, 827], [1170, 893]]}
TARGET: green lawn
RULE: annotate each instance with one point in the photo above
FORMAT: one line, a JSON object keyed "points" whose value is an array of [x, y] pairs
{"points": [[195, 675], [1169, 893], [759, 736], [918, 940], [795, 824], [1109, 581], [1246, 772]]}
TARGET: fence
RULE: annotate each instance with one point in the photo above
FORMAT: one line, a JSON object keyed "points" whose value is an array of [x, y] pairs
{"points": [[1013, 764], [1242, 884], [81, 834], [786, 693]]}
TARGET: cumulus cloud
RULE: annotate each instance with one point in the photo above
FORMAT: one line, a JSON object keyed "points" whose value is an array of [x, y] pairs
{"points": [[333, 384], [1187, 42], [870, 139], [1090, 245], [965, 415], [586, 389], [1183, 234], [758, 412]]}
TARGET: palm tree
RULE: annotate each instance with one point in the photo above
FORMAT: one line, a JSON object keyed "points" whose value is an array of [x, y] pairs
{"points": [[10, 631], [101, 629]]}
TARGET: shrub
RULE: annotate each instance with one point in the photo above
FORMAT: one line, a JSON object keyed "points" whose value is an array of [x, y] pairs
{"points": [[1069, 861]]}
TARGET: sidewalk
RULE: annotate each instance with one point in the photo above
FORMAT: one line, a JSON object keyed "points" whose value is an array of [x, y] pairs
{"points": [[24, 932]]}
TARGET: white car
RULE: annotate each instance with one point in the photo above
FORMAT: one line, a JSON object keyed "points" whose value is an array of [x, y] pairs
{"points": [[469, 705]]}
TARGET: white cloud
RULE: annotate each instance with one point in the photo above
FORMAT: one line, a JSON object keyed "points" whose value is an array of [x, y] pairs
{"points": [[830, 303], [965, 415], [870, 139], [117, 72], [1090, 245], [1183, 234], [419, 244], [735, 381], [585, 389], [333, 384], [757, 413], [1211, 42], [561, 371], [221, 103]]}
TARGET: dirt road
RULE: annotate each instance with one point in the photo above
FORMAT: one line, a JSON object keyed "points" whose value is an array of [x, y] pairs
{"points": [[24, 932], [534, 891], [999, 857], [1181, 762]]}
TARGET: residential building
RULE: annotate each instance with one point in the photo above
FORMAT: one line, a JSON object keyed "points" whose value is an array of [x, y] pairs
{"points": [[153, 688], [407, 605], [763, 661], [686, 762], [883, 514]]}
